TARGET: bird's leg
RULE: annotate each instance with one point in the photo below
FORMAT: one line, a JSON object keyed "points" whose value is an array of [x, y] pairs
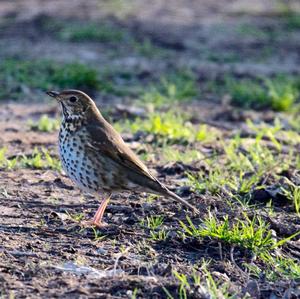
{"points": [[98, 216], [100, 212]]}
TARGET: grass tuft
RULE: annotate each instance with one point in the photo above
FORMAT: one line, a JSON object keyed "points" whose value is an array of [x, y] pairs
{"points": [[201, 283], [173, 127], [177, 87], [104, 33], [39, 159], [254, 234], [44, 74], [174, 155], [279, 93], [44, 124]]}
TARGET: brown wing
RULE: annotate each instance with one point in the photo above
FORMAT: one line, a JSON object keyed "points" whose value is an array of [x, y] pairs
{"points": [[107, 141]]}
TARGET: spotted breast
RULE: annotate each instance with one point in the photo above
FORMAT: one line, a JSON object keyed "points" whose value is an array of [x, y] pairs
{"points": [[75, 161]]}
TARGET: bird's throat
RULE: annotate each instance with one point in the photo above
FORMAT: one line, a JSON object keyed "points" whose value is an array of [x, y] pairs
{"points": [[72, 122]]}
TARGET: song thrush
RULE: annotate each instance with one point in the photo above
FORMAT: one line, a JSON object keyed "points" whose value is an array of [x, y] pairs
{"points": [[95, 156]]}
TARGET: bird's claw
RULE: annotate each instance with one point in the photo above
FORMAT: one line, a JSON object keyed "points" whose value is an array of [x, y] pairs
{"points": [[93, 223]]}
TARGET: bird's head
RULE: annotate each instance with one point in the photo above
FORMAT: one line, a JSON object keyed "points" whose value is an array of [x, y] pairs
{"points": [[74, 103]]}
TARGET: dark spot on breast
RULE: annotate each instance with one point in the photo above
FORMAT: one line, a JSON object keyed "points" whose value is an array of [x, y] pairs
{"points": [[104, 180]]}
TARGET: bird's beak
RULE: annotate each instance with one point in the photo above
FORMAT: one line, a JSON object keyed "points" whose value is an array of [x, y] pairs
{"points": [[53, 94]]}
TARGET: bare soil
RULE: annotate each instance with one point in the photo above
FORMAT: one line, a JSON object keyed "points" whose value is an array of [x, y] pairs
{"points": [[44, 252]]}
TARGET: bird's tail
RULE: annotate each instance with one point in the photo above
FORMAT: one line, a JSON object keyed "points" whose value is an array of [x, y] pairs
{"points": [[171, 194], [154, 186]]}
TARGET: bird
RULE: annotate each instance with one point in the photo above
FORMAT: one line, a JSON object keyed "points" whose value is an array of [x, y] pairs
{"points": [[96, 158]]}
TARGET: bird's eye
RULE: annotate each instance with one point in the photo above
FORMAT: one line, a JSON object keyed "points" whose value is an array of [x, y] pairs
{"points": [[72, 99]]}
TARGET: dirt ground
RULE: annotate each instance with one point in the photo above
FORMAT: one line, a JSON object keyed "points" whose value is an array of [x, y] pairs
{"points": [[44, 252]]}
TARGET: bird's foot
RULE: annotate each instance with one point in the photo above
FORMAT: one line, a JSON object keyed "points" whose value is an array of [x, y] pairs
{"points": [[93, 223]]}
